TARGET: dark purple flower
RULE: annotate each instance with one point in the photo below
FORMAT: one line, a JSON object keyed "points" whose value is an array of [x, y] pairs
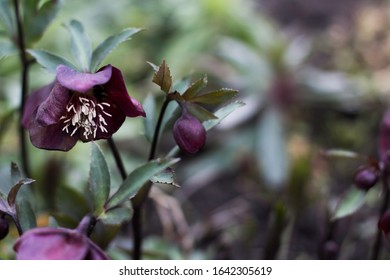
{"points": [[58, 244], [366, 177], [78, 106], [189, 133]]}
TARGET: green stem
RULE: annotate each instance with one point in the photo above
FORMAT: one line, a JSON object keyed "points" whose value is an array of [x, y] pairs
{"points": [[377, 246], [25, 63], [141, 196]]}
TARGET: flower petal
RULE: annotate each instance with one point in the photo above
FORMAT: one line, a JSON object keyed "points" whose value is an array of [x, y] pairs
{"points": [[50, 137], [33, 101], [54, 106], [113, 122], [51, 244], [116, 89], [82, 82], [95, 253]]}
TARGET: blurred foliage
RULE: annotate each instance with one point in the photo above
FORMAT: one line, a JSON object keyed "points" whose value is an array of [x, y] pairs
{"points": [[261, 187]]}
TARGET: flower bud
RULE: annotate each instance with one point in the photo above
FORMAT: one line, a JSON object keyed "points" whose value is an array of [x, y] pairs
{"points": [[384, 224], [189, 133], [4, 228], [366, 177]]}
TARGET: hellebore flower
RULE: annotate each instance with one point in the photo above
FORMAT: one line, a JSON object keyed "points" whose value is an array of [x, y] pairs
{"points": [[189, 133], [57, 244], [78, 106]]}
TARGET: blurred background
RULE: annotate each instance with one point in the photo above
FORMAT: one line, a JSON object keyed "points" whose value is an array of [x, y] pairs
{"points": [[314, 75]]}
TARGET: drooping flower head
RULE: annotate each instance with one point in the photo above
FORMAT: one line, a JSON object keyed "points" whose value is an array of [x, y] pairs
{"points": [[58, 244], [78, 106]]}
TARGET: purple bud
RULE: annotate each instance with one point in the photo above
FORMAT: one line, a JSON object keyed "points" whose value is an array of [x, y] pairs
{"points": [[189, 133], [384, 224], [330, 250], [4, 228], [366, 177]]}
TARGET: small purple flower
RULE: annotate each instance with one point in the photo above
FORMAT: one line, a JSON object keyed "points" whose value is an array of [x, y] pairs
{"points": [[58, 244], [78, 106], [189, 133]]}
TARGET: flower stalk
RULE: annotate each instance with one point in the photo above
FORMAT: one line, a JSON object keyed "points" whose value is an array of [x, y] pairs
{"points": [[25, 64]]}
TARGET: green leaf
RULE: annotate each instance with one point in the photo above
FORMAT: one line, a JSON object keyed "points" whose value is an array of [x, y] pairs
{"points": [[137, 179], [16, 175], [271, 149], [117, 215], [352, 201], [37, 19], [194, 89], [25, 214], [71, 203], [80, 46], [4, 207], [109, 44], [162, 77], [149, 105], [339, 153], [7, 48], [49, 60], [215, 97], [7, 16], [99, 179], [222, 113], [11, 198], [199, 112], [166, 177]]}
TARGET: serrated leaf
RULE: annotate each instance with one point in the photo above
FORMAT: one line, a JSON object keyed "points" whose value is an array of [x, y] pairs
{"points": [[222, 113], [99, 179], [200, 113], [137, 179], [49, 60], [352, 201], [80, 45], [163, 77], [25, 214], [118, 215], [271, 149], [11, 198], [167, 177], [149, 105], [215, 97], [100, 53], [194, 89], [37, 19], [7, 16]]}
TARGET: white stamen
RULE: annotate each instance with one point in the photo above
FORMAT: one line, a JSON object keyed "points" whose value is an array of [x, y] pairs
{"points": [[86, 114]]}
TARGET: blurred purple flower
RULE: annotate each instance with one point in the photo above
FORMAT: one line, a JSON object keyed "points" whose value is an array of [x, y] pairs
{"points": [[58, 244], [78, 106], [189, 133], [384, 137]]}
